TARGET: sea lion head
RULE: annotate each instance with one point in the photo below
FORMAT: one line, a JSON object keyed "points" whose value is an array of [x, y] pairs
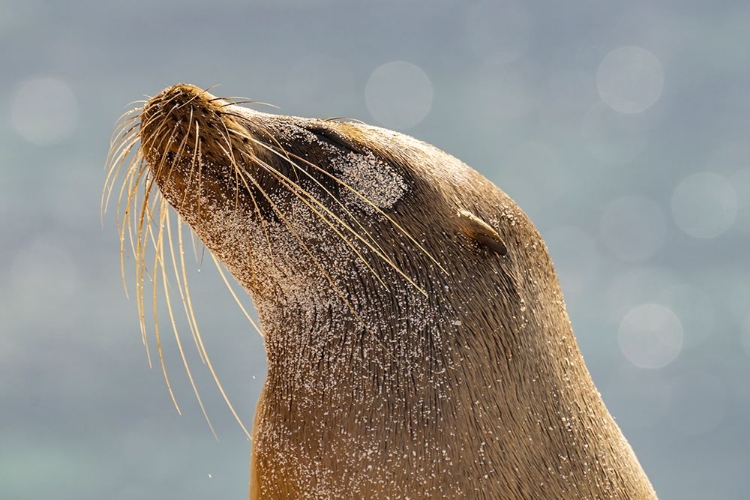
{"points": [[337, 191]]}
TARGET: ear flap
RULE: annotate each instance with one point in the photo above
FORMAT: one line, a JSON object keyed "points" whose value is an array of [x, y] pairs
{"points": [[476, 229]]}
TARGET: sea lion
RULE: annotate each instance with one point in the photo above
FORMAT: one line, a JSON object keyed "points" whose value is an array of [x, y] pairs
{"points": [[417, 339]]}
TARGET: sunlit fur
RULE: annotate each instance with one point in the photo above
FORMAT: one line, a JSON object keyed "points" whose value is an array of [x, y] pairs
{"points": [[417, 350]]}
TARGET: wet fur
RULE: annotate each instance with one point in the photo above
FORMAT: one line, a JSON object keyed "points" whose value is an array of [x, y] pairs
{"points": [[418, 349]]}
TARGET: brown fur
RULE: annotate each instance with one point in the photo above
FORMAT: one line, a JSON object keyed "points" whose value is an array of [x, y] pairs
{"points": [[430, 354]]}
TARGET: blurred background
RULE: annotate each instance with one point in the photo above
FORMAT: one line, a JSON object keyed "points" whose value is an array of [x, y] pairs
{"points": [[622, 128]]}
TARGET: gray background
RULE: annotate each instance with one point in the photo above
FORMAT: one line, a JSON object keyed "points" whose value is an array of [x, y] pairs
{"points": [[634, 164]]}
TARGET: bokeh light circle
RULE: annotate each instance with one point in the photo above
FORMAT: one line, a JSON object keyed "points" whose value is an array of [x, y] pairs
{"points": [[399, 95], [650, 336], [630, 79], [704, 205]]}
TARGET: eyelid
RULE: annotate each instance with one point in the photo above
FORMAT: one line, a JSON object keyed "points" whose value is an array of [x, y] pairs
{"points": [[334, 137]]}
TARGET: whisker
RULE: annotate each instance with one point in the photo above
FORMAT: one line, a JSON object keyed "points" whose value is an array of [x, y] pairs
{"points": [[188, 309], [219, 267], [309, 201], [293, 188], [157, 335], [237, 174], [378, 252], [375, 207]]}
